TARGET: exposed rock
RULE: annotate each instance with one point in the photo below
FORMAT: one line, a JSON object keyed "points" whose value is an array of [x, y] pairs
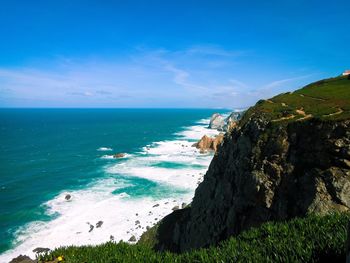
{"points": [[175, 208], [22, 259], [91, 227], [41, 250], [119, 155], [264, 171], [137, 222], [111, 238], [156, 205], [132, 239], [99, 224], [68, 197], [183, 205], [209, 144], [217, 122]]}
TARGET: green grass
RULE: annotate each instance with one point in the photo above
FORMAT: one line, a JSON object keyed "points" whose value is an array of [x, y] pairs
{"points": [[319, 100], [310, 239]]}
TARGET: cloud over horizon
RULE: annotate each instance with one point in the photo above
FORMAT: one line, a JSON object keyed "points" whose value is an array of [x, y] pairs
{"points": [[204, 76]]}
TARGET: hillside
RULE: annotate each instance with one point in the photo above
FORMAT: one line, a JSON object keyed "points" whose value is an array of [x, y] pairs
{"points": [[326, 100], [288, 157]]}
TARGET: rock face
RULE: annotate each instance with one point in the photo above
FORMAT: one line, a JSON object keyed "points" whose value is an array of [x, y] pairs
{"points": [[217, 122], [264, 171], [220, 123], [209, 144]]}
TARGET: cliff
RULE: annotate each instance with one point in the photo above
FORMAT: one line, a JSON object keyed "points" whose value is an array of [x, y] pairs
{"points": [[287, 157]]}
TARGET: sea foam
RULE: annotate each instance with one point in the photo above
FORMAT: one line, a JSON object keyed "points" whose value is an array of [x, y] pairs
{"points": [[104, 149]]}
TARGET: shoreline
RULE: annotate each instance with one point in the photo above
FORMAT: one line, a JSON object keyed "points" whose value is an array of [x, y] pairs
{"points": [[137, 213]]}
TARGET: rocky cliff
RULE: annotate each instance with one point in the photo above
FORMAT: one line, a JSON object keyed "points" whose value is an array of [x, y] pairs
{"points": [[288, 157]]}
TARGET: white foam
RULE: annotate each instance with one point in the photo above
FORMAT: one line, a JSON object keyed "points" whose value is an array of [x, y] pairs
{"points": [[104, 149], [118, 212], [107, 157]]}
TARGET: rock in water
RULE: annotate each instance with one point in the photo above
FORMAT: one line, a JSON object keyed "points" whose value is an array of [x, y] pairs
{"points": [[99, 224], [119, 155], [209, 144], [216, 122], [132, 239], [68, 197], [23, 259]]}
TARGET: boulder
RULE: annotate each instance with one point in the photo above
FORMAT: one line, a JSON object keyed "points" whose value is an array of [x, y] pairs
{"points": [[132, 239], [99, 224], [68, 197]]}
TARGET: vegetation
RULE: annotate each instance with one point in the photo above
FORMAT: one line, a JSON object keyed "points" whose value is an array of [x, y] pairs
{"points": [[311, 239], [327, 99]]}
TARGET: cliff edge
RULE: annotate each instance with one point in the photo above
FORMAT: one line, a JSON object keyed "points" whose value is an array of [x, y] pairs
{"points": [[289, 156]]}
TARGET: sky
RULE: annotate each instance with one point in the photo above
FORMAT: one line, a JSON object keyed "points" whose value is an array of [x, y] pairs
{"points": [[166, 54]]}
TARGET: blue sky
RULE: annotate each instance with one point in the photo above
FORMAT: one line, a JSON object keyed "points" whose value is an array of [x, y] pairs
{"points": [[166, 53]]}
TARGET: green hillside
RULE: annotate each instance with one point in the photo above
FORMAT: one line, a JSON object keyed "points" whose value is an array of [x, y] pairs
{"points": [[327, 99]]}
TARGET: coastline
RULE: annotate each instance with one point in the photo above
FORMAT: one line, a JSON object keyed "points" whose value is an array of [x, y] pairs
{"points": [[126, 217]]}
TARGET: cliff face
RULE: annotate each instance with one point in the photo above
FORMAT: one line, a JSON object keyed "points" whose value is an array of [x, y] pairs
{"points": [[266, 169]]}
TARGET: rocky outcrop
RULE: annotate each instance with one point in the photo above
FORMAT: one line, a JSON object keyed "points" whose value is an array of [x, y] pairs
{"points": [[264, 171], [217, 122], [209, 144], [220, 123]]}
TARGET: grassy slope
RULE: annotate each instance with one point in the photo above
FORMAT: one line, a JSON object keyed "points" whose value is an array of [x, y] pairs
{"points": [[326, 99], [311, 239]]}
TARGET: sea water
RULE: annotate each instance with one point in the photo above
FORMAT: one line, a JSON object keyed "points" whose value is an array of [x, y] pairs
{"points": [[46, 154]]}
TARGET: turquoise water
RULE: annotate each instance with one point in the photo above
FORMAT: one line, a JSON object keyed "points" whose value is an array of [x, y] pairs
{"points": [[46, 151]]}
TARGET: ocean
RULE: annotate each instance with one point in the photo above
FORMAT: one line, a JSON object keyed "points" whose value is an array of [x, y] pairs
{"points": [[46, 154]]}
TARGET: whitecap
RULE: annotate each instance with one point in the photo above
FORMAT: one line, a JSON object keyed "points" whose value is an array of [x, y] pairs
{"points": [[104, 149]]}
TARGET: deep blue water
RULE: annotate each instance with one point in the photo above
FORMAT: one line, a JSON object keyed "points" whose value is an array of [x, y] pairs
{"points": [[45, 151]]}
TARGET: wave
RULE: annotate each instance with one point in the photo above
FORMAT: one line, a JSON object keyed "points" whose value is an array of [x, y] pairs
{"points": [[104, 149]]}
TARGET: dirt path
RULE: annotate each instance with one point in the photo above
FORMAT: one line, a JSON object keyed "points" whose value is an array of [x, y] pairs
{"points": [[284, 118], [340, 111], [302, 112], [314, 98]]}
